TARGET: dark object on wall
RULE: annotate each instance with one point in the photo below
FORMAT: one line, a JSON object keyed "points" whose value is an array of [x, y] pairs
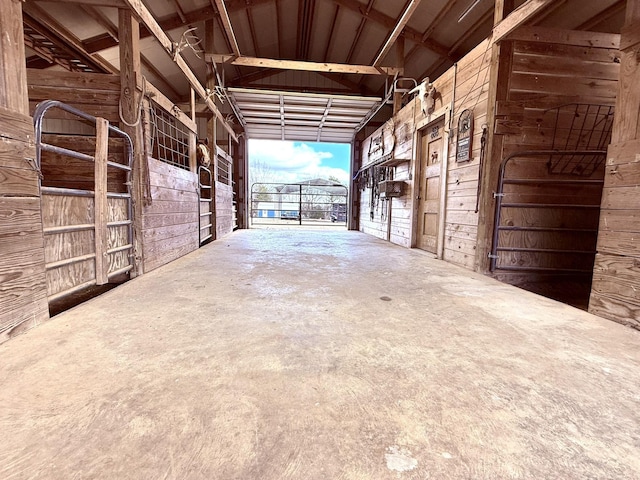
{"points": [[465, 136]]}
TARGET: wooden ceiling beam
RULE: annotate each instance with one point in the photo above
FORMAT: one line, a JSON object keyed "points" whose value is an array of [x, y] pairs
{"points": [[329, 41], [252, 32], [390, 22], [356, 88], [471, 31], [99, 43], [615, 9], [71, 41], [172, 22], [432, 26], [303, 66], [39, 62], [519, 16], [95, 3], [228, 28], [112, 34], [255, 77], [397, 30], [147, 18]]}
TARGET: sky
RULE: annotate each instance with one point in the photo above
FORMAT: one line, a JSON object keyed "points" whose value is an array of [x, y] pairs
{"points": [[274, 161]]}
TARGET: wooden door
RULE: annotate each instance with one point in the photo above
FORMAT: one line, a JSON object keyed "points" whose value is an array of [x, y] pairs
{"points": [[431, 151]]}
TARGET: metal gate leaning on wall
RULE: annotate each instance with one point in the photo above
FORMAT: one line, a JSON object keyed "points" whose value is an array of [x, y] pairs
{"points": [[87, 209]]}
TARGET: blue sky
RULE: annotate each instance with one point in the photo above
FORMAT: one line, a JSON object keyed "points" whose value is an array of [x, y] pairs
{"points": [[289, 162]]}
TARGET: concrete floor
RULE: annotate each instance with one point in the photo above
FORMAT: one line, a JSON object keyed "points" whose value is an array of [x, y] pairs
{"points": [[320, 355]]}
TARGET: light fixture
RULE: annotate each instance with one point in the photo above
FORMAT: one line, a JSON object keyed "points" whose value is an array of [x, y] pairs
{"points": [[468, 10]]}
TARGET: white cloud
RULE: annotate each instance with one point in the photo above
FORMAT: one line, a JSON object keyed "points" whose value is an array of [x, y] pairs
{"points": [[289, 162]]}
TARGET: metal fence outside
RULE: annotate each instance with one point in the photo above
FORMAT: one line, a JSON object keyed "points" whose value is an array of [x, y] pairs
{"points": [[319, 202]]}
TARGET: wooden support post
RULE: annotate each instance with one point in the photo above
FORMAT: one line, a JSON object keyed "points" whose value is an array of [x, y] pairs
{"points": [[23, 287], [151, 23], [100, 205], [397, 96], [615, 292], [500, 71], [212, 122], [130, 77], [192, 104]]}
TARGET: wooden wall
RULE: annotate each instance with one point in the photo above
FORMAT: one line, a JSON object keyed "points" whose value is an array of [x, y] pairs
{"points": [[461, 217], [393, 220], [225, 207], [560, 94], [615, 292], [23, 302], [170, 219], [94, 93], [390, 218]]}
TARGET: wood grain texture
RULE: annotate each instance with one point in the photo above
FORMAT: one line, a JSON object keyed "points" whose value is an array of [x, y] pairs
{"points": [[170, 223]]}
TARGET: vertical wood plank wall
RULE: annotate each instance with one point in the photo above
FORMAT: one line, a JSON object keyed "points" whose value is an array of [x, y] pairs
{"points": [[461, 220], [23, 302], [224, 204], [552, 70], [615, 291], [170, 219]]}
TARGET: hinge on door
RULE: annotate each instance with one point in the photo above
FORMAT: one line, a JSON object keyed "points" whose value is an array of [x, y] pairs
{"points": [[496, 195], [493, 256]]}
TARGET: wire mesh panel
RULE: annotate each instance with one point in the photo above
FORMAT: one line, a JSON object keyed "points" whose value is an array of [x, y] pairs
{"points": [[169, 139], [318, 202], [580, 127]]}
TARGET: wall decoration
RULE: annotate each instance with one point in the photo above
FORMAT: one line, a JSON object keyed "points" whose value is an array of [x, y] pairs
{"points": [[465, 136]]}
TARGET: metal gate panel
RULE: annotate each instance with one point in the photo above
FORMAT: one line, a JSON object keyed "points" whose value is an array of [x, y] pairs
{"points": [[88, 233], [318, 202]]}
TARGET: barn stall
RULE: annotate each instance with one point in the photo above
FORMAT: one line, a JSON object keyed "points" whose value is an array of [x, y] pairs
{"points": [[422, 145], [105, 217], [540, 154]]}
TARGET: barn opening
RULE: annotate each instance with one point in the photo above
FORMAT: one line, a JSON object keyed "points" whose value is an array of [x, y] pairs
{"points": [[298, 183]]}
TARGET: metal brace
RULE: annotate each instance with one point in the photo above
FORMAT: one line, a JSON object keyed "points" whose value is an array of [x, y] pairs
{"points": [[493, 256], [34, 166], [496, 195]]}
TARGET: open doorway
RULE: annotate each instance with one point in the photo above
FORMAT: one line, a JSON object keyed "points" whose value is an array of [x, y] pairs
{"points": [[298, 183]]}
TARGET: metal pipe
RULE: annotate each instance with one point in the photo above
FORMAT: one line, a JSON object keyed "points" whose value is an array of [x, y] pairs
{"points": [[38, 117], [500, 190], [71, 192]]}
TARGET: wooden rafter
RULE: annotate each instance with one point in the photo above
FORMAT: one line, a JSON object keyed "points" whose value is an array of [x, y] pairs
{"points": [[330, 38], [471, 31], [147, 18], [615, 9], [432, 26], [397, 30], [279, 28], [72, 42], [112, 33], [390, 22], [226, 23], [303, 66], [518, 17], [255, 76], [354, 87], [356, 38], [252, 32], [96, 3], [306, 9]]}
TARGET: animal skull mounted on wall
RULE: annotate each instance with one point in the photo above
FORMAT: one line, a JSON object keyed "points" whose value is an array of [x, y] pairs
{"points": [[427, 95]]}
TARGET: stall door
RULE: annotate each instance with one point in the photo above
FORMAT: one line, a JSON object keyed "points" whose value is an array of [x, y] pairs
{"points": [[431, 150]]}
